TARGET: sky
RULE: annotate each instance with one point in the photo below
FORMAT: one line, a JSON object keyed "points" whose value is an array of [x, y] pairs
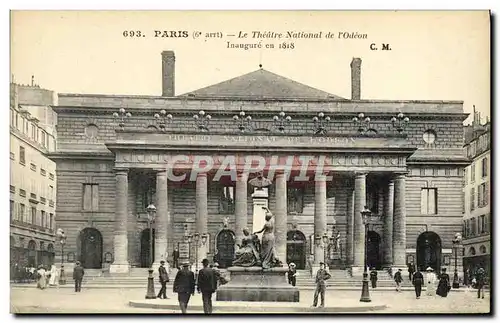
{"points": [[434, 55]]}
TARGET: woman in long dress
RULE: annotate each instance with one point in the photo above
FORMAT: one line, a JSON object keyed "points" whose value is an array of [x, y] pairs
{"points": [[53, 276], [430, 282], [268, 252], [247, 254], [42, 278], [444, 284]]}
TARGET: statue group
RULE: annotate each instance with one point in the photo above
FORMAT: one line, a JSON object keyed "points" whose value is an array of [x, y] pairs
{"points": [[252, 252]]}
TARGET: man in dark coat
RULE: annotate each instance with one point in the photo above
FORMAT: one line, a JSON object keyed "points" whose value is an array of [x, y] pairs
{"points": [[176, 258], [374, 277], [418, 281], [207, 285], [398, 278], [411, 270], [480, 281], [184, 284], [163, 275], [78, 273], [321, 276]]}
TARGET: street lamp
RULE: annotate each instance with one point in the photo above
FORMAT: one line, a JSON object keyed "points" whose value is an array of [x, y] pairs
{"points": [[196, 238], [367, 217], [456, 244], [326, 239], [62, 240], [151, 210]]}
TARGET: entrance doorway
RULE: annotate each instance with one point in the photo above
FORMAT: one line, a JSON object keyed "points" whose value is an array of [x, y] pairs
{"points": [[224, 248], [373, 250], [147, 255], [91, 248], [296, 248], [32, 254], [429, 251]]}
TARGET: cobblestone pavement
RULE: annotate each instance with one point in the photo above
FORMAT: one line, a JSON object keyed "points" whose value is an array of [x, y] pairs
{"points": [[53, 300]]}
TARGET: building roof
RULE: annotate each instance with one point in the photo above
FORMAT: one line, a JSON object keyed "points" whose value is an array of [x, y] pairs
{"points": [[262, 84]]}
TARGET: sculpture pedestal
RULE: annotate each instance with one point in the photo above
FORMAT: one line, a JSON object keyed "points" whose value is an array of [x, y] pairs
{"points": [[254, 284]]}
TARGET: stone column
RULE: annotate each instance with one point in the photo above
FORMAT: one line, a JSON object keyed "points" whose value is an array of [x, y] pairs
{"points": [[388, 222], [201, 216], [161, 221], [319, 218], [280, 216], [120, 239], [240, 206], [399, 230], [350, 227], [359, 228]]}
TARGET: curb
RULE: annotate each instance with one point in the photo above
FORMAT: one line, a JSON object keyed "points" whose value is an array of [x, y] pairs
{"points": [[222, 307]]}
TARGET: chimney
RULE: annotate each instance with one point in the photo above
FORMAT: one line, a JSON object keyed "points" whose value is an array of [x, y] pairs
{"points": [[356, 79], [168, 73]]}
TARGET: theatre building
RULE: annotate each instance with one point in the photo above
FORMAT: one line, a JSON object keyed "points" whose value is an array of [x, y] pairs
{"points": [[327, 157]]}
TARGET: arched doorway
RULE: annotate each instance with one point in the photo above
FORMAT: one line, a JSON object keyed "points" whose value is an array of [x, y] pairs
{"points": [[147, 255], [32, 254], [373, 250], [91, 248], [225, 248], [296, 248], [429, 251]]}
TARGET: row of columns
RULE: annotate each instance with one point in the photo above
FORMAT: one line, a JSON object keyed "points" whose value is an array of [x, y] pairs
{"points": [[394, 221]]}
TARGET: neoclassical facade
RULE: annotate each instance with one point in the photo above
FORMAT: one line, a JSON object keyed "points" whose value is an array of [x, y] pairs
{"points": [[192, 157]]}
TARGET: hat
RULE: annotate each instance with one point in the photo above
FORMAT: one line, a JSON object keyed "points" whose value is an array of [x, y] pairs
{"points": [[78, 263], [162, 262], [185, 263], [429, 269], [204, 261], [321, 263]]}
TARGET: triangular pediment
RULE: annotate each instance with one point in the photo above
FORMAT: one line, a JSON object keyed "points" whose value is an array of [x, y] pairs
{"points": [[262, 84]]}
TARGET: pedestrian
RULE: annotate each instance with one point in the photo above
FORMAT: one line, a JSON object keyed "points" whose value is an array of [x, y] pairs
{"points": [[480, 280], [418, 281], [207, 285], [163, 276], [374, 277], [42, 277], [430, 282], [176, 257], [321, 276], [184, 284], [53, 275], [292, 274], [444, 284], [411, 270], [78, 274], [398, 278]]}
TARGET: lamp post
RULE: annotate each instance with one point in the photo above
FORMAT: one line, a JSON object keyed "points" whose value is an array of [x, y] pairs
{"points": [[243, 121], [202, 120], [400, 122], [281, 120], [196, 238], [362, 122], [366, 215], [62, 240], [121, 116], [326, 239], [320, 122], [151, 210], [456, 244]]}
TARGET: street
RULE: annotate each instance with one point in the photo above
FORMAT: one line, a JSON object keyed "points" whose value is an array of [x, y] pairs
{"points": [[53, 300]]}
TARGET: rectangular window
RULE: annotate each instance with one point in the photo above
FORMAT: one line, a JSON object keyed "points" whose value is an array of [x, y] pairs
{"points": [[487, 223], [33, 131], [22, 155], [51, 221], [472, 198], [43, 172], [12, 210], [473, 227], [90, 197], [484, 167], [428, 202], [51, 176], [33, 215], [465, 176], [463, 202], [226, 200], [43, 223], [472, 172], [33, 167], [295, 198], [43, 139], [480, 196], [482, 227], [22, 211]]}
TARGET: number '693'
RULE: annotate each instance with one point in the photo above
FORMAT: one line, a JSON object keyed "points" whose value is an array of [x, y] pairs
{"points": [[132, 33]]}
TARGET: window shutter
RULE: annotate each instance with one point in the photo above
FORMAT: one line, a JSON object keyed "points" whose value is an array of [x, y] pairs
{"points": [[95, 197], [423, 201], [87, 197]]}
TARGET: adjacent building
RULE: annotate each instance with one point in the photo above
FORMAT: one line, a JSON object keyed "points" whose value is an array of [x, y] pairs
{"points": [[33, 181], [477, 182], [327, 157]]}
